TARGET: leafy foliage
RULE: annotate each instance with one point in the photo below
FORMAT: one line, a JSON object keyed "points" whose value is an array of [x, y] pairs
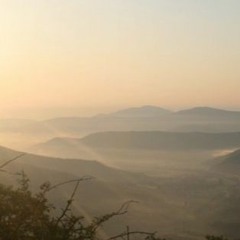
{"points": [[28, 216]]}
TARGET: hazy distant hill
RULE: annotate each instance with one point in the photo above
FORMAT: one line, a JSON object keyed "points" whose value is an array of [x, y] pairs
{"points": [[151, 140], [210, 114], [138, 118], [146, 118], [148, 152], [229, 163], [152, 118], [208, 111], [144, 111], [145, 145], [163, 140]]}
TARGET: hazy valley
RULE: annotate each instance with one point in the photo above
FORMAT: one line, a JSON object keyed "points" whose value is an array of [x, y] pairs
{"points": [[184, 182]]}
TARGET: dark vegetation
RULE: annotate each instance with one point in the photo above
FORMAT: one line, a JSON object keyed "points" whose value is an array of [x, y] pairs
{"points": [[25, 215]]}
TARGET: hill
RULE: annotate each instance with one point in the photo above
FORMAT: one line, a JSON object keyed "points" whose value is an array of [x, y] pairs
{"points": [[150, 118], [144, 111], [208, 111], [23, 133], [151, 152], [162, 140], [170, 205], [229, 163]]}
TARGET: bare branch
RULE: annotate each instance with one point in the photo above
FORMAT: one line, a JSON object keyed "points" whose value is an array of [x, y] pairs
{"points": [[11, 160], [124, 207], [124, 234], [98, 221], [85, 178], [8, 162], [69, 202]]}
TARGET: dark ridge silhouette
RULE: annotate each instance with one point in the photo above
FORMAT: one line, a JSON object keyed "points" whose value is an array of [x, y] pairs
{"points": [[162, 140]]}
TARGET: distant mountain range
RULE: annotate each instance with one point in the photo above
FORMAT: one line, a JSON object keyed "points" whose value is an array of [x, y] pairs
{"points": [[146, 118], [149, 111]]}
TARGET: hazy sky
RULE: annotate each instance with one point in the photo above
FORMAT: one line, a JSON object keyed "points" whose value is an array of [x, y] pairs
{"points": [[97, 55]]}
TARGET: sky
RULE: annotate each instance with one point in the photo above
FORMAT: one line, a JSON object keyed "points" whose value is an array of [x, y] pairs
{"points": [[79, 57]]}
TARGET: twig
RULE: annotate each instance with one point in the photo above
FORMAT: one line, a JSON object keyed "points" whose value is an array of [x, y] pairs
{"points": [[101, 220], [86, 178], [124, 234], [69, 202], [124, 207], [11, 160], [128, 235]]}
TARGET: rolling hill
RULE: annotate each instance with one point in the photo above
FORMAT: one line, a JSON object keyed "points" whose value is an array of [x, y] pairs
{"points": [[152, 140], [151, 152], [163, 140], [188, 206]]}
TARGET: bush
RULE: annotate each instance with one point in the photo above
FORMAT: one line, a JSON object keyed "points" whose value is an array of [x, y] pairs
{"points": [[28, 216]]}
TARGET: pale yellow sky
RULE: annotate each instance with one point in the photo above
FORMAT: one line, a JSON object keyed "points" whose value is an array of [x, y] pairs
{"points": [[97, 55]]}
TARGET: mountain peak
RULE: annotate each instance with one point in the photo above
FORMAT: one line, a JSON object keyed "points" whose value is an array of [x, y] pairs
{"points": [[205, 110], [143, 111]]}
